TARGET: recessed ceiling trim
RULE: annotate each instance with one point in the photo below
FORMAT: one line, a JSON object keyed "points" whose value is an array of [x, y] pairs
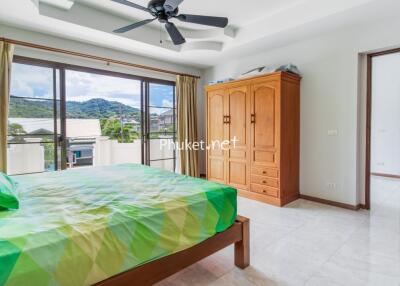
{"points": [[228, 33], [61, 4], [202, 45]]}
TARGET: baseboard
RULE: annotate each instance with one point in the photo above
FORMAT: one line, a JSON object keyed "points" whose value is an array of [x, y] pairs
{"points": [[362, 206], [332, 203], [386, 175]]}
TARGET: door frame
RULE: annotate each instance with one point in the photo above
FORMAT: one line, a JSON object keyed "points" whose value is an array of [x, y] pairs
{"points": [[57, 137], [368, 172], [146, 116], [60, 141]]}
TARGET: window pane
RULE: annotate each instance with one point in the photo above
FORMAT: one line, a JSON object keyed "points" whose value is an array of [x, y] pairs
{"points": [[162, 148], [103, 119], [31, 127], [161, 95], [162, 124], [31, 81]]}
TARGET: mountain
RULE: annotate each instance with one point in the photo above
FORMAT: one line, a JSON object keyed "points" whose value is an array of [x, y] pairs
{"points": [[91, 109], [100, 108]]}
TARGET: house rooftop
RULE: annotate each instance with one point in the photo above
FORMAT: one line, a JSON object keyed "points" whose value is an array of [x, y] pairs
{"points": [[75, 127]]}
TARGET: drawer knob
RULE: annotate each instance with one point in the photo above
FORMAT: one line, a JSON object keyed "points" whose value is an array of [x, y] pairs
{"points": [[264, 182], [264, 172], [264, 191]]}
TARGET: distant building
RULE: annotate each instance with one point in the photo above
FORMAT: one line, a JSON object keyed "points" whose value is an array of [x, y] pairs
{"points": [[162, 122], [167, 118], [133, 123]]}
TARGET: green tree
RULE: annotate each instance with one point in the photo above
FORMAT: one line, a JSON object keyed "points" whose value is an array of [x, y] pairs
{"points": [[16, 129], [113, 128]]}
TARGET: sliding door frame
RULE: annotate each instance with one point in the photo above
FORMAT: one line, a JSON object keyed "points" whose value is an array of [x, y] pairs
{"points": [[60, 141], [369, 123], [148, 131], [50, 65], [63, 120]]}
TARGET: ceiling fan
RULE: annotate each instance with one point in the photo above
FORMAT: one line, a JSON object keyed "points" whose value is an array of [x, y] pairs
{"points": [[163, 11]]}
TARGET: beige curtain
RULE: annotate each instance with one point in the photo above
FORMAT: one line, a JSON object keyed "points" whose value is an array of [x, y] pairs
{"points": [[6, 54], [187, 123]]}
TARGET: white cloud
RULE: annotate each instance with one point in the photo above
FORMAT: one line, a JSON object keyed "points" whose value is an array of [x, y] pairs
{"points": [[167, 103], [84, 86], [31, 81]]}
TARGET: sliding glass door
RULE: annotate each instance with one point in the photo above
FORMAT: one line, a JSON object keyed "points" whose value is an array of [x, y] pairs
{"points": [[33, 123], [103, 119], [161, 118], [64, 116]]}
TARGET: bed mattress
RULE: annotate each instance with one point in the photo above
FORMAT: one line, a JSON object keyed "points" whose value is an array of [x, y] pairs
{"points": [[81, 226]]}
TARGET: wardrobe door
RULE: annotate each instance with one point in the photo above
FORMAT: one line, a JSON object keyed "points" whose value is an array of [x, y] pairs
{"points": [[216, 122], [237, 104], [265, 124]]}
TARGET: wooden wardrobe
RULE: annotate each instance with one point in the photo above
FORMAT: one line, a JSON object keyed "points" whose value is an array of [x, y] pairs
{"points": [[263, 114]]}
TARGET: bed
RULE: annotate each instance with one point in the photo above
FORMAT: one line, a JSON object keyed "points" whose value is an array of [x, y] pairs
{"points": [[119, 225]]}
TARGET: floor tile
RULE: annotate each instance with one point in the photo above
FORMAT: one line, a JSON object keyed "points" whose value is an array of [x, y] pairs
{"points": [[332, 274], [306, 243]]}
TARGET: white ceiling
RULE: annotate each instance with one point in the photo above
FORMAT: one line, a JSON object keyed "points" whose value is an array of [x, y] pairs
{"points": [[258, 9], [253, 24]]}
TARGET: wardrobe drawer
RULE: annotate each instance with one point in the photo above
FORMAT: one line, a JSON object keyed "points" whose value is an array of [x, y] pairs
{"points": [[265, 181], [272, 192], [273, 173]]}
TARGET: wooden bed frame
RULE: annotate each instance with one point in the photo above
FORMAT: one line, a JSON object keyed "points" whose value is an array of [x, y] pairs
{"points": [[155, 271]]}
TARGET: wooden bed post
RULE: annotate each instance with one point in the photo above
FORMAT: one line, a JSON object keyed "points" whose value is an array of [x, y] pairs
{"points": [[242, 248]]}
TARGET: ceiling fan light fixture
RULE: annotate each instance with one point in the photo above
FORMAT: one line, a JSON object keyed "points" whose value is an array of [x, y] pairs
{"points": [[163, 11]]}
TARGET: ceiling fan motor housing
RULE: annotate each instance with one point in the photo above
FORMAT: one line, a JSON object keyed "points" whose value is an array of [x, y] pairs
{"points": [[163, 11], [157, 9]]}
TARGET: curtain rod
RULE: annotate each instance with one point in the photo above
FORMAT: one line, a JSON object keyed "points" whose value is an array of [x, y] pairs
{"points": [[92, 57]]}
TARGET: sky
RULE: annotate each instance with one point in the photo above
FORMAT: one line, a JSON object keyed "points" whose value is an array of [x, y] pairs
{"points": [[37, 82]]}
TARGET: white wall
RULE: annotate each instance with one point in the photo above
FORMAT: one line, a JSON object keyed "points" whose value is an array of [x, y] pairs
{"points": [[110, 152], [385, 131], [25, 158], [330, 100]]}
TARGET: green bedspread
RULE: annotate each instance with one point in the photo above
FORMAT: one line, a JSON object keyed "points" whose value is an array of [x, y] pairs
{"points": [[81, 226]]}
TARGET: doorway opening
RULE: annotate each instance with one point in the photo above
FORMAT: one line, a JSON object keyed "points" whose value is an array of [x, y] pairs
{"points": [[383, 128]]}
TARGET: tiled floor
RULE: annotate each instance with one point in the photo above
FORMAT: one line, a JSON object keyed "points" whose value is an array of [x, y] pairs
{"points": [[312, 244]]}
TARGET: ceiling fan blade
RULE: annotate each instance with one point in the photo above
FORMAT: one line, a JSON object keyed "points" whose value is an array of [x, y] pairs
{"points": [[174, 33], [130, 4], [220, 22], [171, 5], [133, 26]]}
